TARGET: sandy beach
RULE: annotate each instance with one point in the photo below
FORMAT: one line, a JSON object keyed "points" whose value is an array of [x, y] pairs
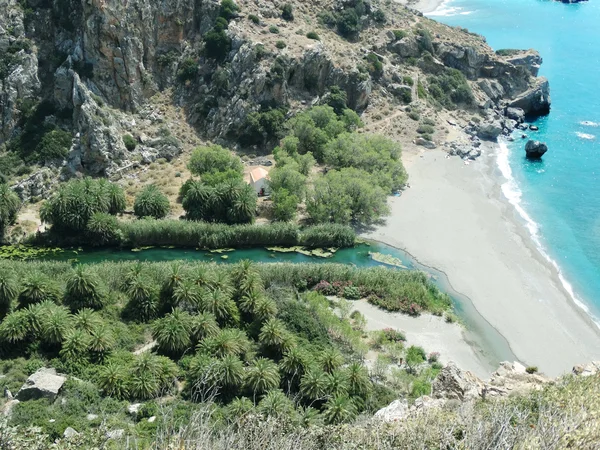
{"points": [[432, 333], [454, 218], [425, 6]]}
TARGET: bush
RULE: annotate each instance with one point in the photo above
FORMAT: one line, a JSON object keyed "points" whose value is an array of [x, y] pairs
{"points": [[228, 9], [375, 66], [55, 144], [280, 45], [284, 205], [399, 34], [425, 129], [379, 16], [414, 115], [348, 23], [312, 35], [352, 293], [450, 89], [428, 121], [273, 29], [188, 69], [261, 127], [254, 18], [213, 159], [287, 12], [151, 202], [103, 229], [9, 206], [408, 80], [217, 44], [129, 142], [531, 370]]}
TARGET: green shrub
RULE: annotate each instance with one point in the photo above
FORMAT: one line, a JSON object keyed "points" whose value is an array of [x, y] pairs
{"points": [[228, 9], [379, 16], [352, 293], [280, 44], [151, 202], [188, 70], [531, 370], [273, 29], [129, 142], [254, 18], [450, 89], [414, 115], [55, 144], [312, 35], [103, 229], [261, 127], [287, 12], [399, 34], [217, 44], [428, 121], [213, 159], [408, 80], [285, 205], [9, 206], [348, 23], [375, 66], [425, 129], [507, 52]]}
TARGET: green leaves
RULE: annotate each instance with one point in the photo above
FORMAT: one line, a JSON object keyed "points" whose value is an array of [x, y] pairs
{"points": [[214, 159], [151, 202], [84, 289], [173, 332], [9, 205]]}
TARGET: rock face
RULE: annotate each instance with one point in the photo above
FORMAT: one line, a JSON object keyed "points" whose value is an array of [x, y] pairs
{"points": [[45, 383], [536, 100], [535, 149], [585, 370], [454, 384], [397, 410], [490, 130]]}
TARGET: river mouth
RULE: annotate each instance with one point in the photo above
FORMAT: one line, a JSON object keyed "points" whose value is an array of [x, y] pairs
{"points": [[485, 340]]}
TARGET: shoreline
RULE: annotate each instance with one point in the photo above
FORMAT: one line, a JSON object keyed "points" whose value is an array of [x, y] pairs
{"points": [[462, 224], [424, 6]]}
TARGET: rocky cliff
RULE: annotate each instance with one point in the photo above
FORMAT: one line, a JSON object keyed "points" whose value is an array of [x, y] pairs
{"points": [[91, 67]]}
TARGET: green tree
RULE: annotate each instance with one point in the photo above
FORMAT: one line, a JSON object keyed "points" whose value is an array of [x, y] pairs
{"points": [[173, 332], [262, 376], [288, 177], [220, 304], [142, 295], [312, 384], [151, 202], [102, 339], [75, 346], [116, 198], [231, 370], [274, 336], [359, 383], [9, 205], [336, 383], [276, 404], [204, 325], [243, 206], [113, 379], [84, 289], [36, 288], [339, 409], [330, 359], [285, 205], [55, 144], [103, 229], [56, 324], [214, 159], [187, 294], [87, 320], [15, 328], [9, 290], [414, 357], [229, 341]]}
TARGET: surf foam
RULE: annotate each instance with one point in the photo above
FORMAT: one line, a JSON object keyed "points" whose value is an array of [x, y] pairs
{"points": [[513, 194]]}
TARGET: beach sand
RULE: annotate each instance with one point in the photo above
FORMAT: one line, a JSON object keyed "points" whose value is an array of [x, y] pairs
{"points": [[430, 332], [454, 218], [425, 6]]}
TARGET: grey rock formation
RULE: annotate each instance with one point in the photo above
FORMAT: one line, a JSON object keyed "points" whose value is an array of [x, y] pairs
{"points": [[425, 143], [37, 184], [115, 434], [70, 432], [9, 406], [535, 149], [515, 114], [397, 410], [530, 60], [45, 383], [406, 47], [490, 130], [535, 100], [585, 370], [452, 383]]}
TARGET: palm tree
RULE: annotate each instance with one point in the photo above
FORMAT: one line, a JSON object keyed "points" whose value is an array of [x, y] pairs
{"points": [[174, 279], [231, 371], [338, 409], [143, 385], [113, 380], [262, 376], [248, 301], [37, 287], [103, 229], [201, 276], [9, 290], [264, 309], [116, 198], [87, 319], [336, 383], [308, 417], [15, 327], [173, 332], [230, 341], [273, 334], [204, 325], [221, 280], [102, 339], [238, 408], [56, 324], [151, 202], [197, 200], [243, 205], [312, 384], [9, 205], [75, 346], [187, 294], [84, 289], [219, 303], [275, 404], [330, 359], [203, 378], [294, 363], [142, 296], [359, 383]]}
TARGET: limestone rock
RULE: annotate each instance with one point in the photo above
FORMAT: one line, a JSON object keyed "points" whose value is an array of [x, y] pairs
{"points": [[516, 114], [8, 407], [529, 59], [492, 89], [91, 417], [586, 370], [535, 100], [134, 408], [425, 143], [37, 184], [535, 149], [452, 383], [512, 377], [397, 410], [45, 383], [406, 47], [70, 432], [490, 130], [115, 434]]}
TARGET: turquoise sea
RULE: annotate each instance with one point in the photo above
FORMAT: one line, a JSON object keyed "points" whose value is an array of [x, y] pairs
{"points": [[559, 197]]}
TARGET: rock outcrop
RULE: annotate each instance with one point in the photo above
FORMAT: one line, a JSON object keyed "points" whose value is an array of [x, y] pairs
{"points": [[45, 383], [535, 149], [536, 100]]}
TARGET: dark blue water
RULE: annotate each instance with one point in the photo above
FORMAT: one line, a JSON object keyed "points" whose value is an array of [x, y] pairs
{"points": [[559, 198]]}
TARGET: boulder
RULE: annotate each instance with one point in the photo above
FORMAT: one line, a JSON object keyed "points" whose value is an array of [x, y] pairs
{"points": [[8, 407], [492, 89], [70, 432], [585, 370], [397, 410], [490, 130], [45, 383], [91, 417], [406, 47], [533, 128], [535, 149], [512, 377], [134, 408], [424, 143], [115, 434], [400, 90], [530, 60], [516, 114], [454, 384], [535, 100]]}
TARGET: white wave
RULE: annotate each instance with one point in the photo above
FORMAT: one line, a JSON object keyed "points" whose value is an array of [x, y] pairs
{"points": [[589, 137], [589, 123], [513, 194], [443, 10]]}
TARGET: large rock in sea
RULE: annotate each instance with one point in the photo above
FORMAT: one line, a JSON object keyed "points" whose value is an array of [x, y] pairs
{"points": [[535, 149], [45, 383], [536, 100]]}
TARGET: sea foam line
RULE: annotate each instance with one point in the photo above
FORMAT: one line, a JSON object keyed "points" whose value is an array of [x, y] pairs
{"points": [[443, 10], [589, 123], [513, 194]]}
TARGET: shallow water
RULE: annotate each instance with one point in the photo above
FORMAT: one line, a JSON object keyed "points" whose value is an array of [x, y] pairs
{"points": [[559, 197]]}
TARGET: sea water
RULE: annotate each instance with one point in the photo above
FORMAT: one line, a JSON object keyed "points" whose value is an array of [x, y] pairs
{"points": [[558, 198]]}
